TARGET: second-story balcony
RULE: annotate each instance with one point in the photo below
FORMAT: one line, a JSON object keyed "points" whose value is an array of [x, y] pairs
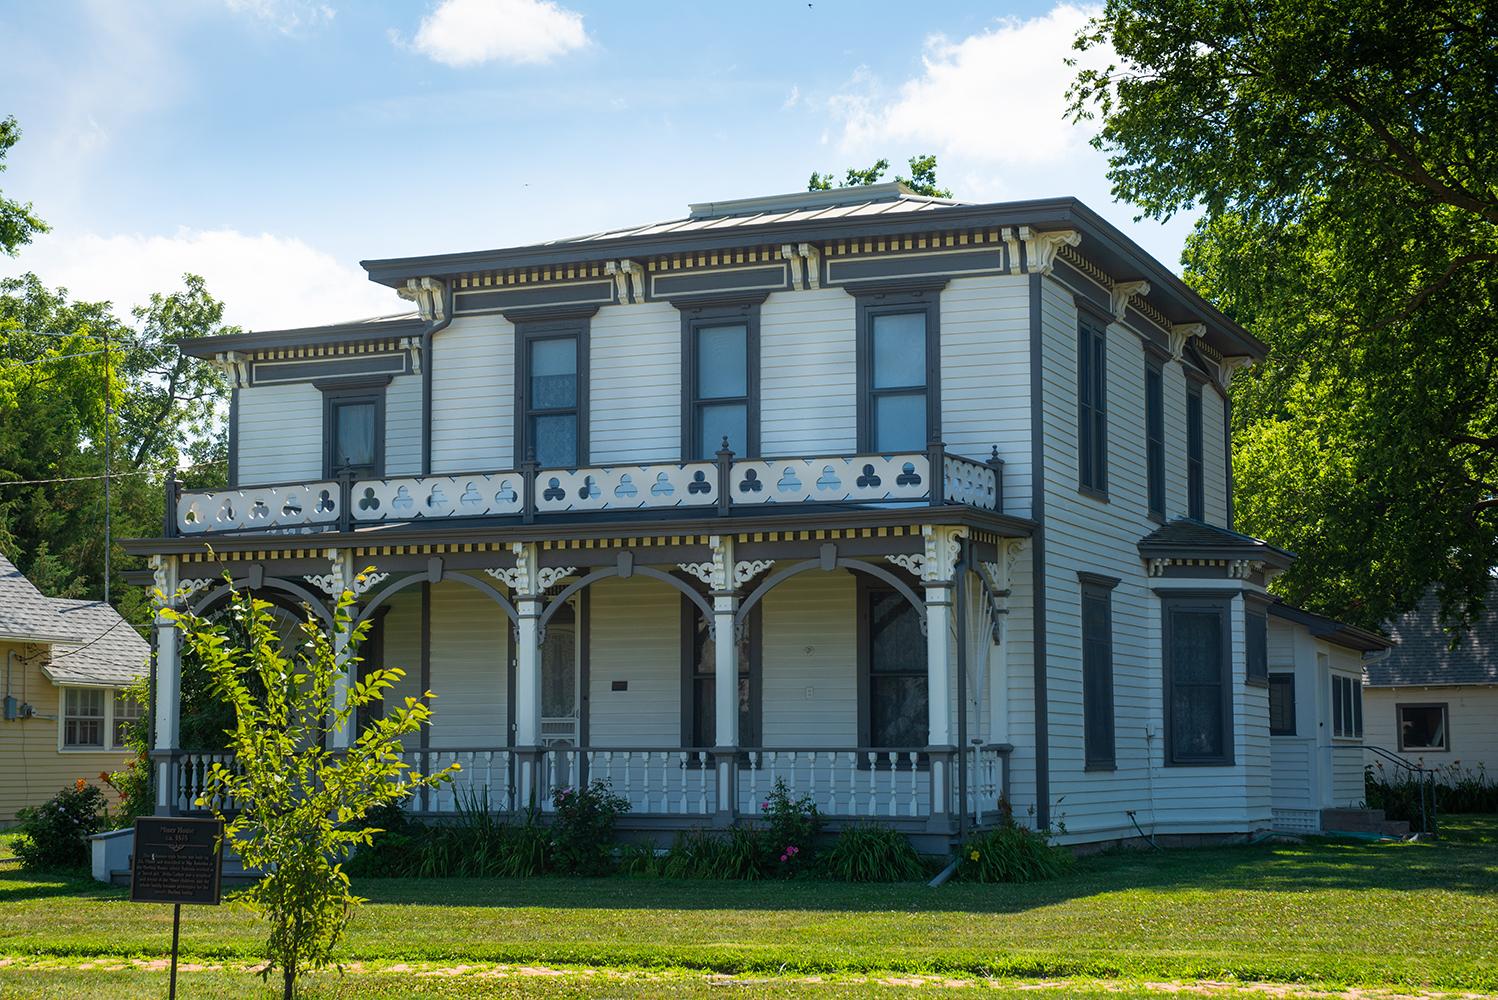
{"points": [[720, 488]]}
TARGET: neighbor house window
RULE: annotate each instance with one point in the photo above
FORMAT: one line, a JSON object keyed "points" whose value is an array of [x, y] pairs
{"points": [[1092, 405], [1423, 727], [127, 712], [83, 718], [720, 376], [1282, 704], [1154, 438], [1347, 706], [551, 397], [897, 371], [1198, 689], [1195, 499], [354, 427], [1097, 671], [700, 680], [894, 660], [1256, 643]]}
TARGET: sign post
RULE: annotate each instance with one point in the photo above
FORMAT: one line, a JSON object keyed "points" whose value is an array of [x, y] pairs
{"points": [[177, 860]]}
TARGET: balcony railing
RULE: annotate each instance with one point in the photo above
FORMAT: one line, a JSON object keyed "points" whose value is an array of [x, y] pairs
{"points": [[709, 488]]}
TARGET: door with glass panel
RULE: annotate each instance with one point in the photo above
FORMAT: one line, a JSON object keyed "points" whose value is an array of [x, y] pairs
{"points": [[561, 680]]}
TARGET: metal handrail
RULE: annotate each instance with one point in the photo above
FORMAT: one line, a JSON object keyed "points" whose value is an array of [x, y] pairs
{"points": [[1426, 777]]}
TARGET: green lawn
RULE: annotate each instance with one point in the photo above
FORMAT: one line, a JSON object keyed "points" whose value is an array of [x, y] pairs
{"points": [[1327, 914]]}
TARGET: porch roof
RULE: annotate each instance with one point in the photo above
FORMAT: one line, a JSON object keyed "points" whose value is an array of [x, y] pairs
{"points": [[1188, 538]]}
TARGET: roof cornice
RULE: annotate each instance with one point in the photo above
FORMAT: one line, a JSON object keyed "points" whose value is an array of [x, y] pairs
{"points": [[338, 333]]}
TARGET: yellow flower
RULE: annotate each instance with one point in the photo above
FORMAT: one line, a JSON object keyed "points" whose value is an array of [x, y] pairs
{"points": [[973, 856]]}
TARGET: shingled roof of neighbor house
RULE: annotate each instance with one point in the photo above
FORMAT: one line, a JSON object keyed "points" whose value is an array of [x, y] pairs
{"points": [[1425, 655], [91, 644]]}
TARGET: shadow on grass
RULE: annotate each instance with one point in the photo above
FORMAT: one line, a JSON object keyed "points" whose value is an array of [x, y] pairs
{"points": [[17, 884], [1317, 865]]}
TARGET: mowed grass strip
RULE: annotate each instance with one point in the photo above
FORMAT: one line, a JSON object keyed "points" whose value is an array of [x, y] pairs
{"points": [[1388, 915]]}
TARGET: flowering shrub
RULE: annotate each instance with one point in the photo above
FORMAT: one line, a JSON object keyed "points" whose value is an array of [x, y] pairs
{"points": [[55, 834], [1459, 789], [791, 828], [582, 830], [1011, 853]]}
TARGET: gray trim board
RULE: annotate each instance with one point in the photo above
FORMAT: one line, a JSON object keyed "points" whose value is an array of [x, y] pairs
{"points": [[534, 296], [1088, 293], [1037, 558], [310, 336], [917, 264], [283, 372], [1227, 453], [724, 280], [234, 437]]}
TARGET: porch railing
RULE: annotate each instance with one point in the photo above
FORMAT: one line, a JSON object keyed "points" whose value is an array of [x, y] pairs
{"points": [[714, 487], [844, 784]]}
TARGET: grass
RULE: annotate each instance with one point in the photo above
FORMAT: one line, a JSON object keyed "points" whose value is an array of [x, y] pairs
{"points": [[1324, 913]]}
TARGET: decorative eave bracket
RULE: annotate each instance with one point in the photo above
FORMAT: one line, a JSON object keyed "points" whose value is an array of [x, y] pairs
{"points": [[1041, 248], [1182, 332], [629, 279], [429, 296], [1122, 292]]}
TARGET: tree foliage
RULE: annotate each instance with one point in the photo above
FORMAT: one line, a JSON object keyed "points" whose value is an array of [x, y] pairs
{"points": [[301, 808], [18, 223], [922, 179], [1341, 156]]}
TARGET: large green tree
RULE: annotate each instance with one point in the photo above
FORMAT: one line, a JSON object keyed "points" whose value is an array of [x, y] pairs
{"points": [[922, 179], [18, 223], [1341, 156]]}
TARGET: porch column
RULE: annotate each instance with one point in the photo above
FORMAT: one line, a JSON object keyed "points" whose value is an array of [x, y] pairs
{"points": [[529, 779], [342, 579], [726, 694], [167, 707], [940, 563]]}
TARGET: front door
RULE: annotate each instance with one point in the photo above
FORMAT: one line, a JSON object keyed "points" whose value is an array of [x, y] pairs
{"points": [[561, 674]]}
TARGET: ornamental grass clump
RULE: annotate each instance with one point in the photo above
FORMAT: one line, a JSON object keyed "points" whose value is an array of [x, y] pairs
{"points": [[869, 852], [1011, 853], [302, 807]]}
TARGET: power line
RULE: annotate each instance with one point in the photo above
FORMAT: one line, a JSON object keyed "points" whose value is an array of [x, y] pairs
{"points": [[135, 472], [79, 649]]}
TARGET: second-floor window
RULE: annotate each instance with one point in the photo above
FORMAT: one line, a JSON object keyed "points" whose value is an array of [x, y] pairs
{"points": [[551, 397], [1195, 471], [1092, 405], [720, 380], [354, 428], [1154, 438], [898, 368]]}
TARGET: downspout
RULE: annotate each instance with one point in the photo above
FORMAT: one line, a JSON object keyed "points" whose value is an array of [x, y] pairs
{"points": [[438, 319]]}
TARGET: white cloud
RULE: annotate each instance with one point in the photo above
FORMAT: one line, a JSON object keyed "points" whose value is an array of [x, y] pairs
{"points": [[469, 32], [286, 16], [266, 282], [996, 97]]}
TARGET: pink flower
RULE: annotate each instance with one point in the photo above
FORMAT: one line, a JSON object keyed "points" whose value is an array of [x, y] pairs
{"points": [[783, 858]]}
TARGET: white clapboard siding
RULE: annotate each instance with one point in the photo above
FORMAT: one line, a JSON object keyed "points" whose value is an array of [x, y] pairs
{"points": [[635, 397], [985, 376], [807, 373], [470, 658], [403, 426], [1348, 757], [634, 636], [473, 395], [280, 433], [401, 641], [1015, 698], [810, 662]]}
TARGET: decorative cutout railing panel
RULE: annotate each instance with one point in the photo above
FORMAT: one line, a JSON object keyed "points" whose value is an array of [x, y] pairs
{"points": [[627, 487], [254, 508], [415, 498], [971, 483], [845, 479]]}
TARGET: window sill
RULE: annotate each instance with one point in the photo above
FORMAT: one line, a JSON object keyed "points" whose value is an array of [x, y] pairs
{"points": [[1258, 682], [1424, 749], [92, 750], [1101, 496], [1100, 767], [1291, 733], [1201, 763]]}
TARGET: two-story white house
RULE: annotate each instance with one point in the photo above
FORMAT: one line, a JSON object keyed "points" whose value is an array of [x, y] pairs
{"points": [[916, 505]]}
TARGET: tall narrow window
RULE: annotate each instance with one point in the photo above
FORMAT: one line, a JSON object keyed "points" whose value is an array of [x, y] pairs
{"points": [[1097, 673], [83, 717], [895, 660], [354, 427], [1195, 502], [1092, 405], [898, 371], [1198, 693], [552, 394], [700, 680], [1256, 643], [1154, 438], [1282, 704], [1347, 706], [720, 379]]}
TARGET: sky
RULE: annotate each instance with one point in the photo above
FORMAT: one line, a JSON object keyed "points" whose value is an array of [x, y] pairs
{"points": [[270, 145]]}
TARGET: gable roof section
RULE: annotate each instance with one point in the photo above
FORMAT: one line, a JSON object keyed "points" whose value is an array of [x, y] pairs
{"points": [[1322, 627], [1425, 656], [25, 614], [1186, 538]]}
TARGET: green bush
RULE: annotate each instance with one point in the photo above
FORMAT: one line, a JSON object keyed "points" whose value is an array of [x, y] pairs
{"points": [[393, 850], [55, 834], [737, 854], [639, 859], [1458, 790], [1011, 853], [868, 852], [582, 828], [790, 830]]}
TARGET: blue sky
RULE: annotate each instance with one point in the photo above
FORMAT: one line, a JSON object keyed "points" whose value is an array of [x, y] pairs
{"points": [[271, 144]]}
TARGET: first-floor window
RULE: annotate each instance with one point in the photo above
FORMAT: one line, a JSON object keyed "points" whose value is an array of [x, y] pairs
{"points": [[897, 682], [1097, 674], [1282, 704], [1423, 727], [83, 717], [127, 712], [1347, 706], [1256, 647], [1198, 693]]}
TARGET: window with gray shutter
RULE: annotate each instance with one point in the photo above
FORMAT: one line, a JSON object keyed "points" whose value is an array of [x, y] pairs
{"points": [[1097, 675], [1198, 692]]}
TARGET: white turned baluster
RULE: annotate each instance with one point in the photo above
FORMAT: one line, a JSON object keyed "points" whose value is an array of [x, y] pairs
{"points": [[914, 783], [754, 799], [872, 805], [703, 770], [682, 764]]}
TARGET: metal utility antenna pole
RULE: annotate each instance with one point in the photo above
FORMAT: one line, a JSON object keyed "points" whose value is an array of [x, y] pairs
{"points": [[108, 415]]}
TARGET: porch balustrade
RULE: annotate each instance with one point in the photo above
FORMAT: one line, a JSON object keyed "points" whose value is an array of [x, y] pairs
{"points": [[710, 488]]}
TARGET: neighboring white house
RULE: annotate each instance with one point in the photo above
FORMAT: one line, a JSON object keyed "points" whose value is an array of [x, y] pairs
{"points": [[1316, 718], [1435, 703], [67, 664], [912, 504]]}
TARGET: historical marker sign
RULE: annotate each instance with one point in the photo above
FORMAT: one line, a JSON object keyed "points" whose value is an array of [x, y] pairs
{"points": [[177, 860]]}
